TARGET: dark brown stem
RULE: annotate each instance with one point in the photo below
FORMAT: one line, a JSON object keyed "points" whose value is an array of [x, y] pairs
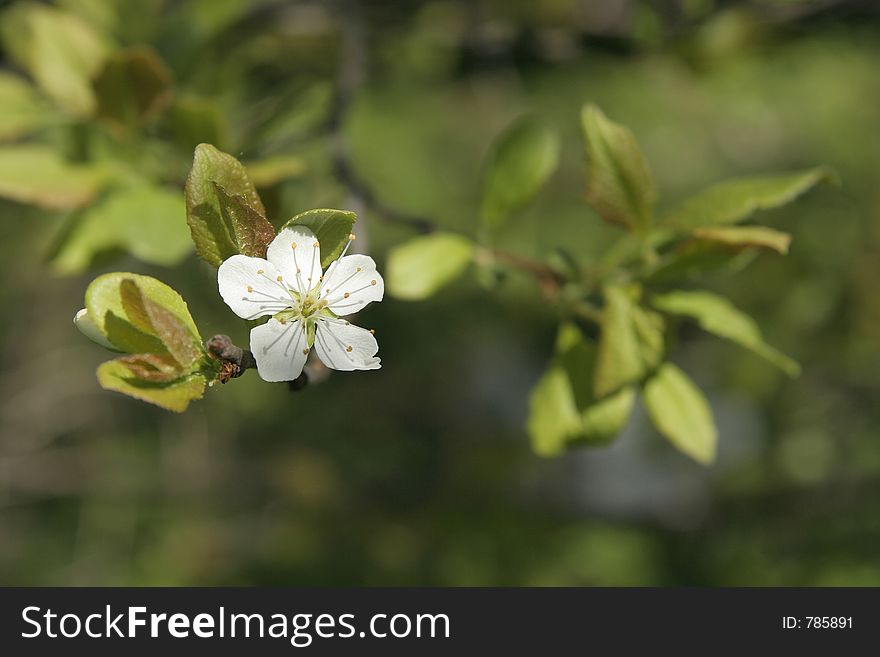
{"points": [[235, 360]]}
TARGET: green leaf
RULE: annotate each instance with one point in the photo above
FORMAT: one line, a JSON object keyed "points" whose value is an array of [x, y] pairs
{"points": [[741, 237], [522, 160], [736, 200], [681, 413], [553, 416], [694, 259], [563, 406], [152, 319], [631, 342], [718, 316], [37, 175], [273, 170], [21, 110], [213, 236], [133, 86], [60, 51], [331, 227], [146, 221], [620, 186], [418, 268], [110, 314], [128, 377], [251, 230]]}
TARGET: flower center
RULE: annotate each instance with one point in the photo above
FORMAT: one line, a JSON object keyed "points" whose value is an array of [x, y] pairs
{"points": [[303, 307]]}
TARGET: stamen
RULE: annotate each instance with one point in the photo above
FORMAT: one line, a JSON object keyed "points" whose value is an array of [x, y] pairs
{"points": [[293, 245], [280, 278], [373, 282], [276, 340], [372, 331], [261, 271], [250, 288], [345, 296], [340, 343], [305, 352], [348, 348], [352, 237]]}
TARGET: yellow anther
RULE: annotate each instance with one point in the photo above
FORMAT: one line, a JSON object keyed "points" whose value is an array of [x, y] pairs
{"points": [[373, 282], [293, 245], [280, 278], [373, 331], [260, 271], [250, 289], [359, 269], [298, 270], [348, 348], [345, 296], [305, 352], [317, 244], [352, 237]]}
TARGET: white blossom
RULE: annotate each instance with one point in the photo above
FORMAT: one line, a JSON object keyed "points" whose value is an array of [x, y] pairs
{"points": [[306, 305]]}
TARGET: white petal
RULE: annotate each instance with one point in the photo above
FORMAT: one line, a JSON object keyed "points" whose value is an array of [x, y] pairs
{"points": [[250, 287], [279, 349], [344, 346], [297, 255], [356, 277]]}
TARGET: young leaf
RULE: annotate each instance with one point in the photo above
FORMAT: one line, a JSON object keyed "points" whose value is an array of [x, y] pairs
{"points": [[620, 186], [146, 221], [250, 229], [718, 316], [21, 111], [563, 406], [600, 419], [423, 265], [152, 368], [695, 259], [681, 413], [215, 240], [331, 227], [631, 341], [553, 417], [107, 311], [37, 175], [741, 237], [60, 51], [522, 160], [133, 86], [736, 200], [151, 318], [126, 376]]}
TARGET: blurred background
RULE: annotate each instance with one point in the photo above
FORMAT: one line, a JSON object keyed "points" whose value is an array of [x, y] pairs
{"points": [[421, 473]]}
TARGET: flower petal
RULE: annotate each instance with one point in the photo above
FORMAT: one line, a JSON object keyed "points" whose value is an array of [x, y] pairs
{"points": [[351, 283], [297, 255], [250, 287], [344, 346], [279, 349]]}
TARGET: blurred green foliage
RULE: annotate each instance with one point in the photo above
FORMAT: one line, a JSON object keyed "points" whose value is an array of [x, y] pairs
{"points": [[421, 473]]}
